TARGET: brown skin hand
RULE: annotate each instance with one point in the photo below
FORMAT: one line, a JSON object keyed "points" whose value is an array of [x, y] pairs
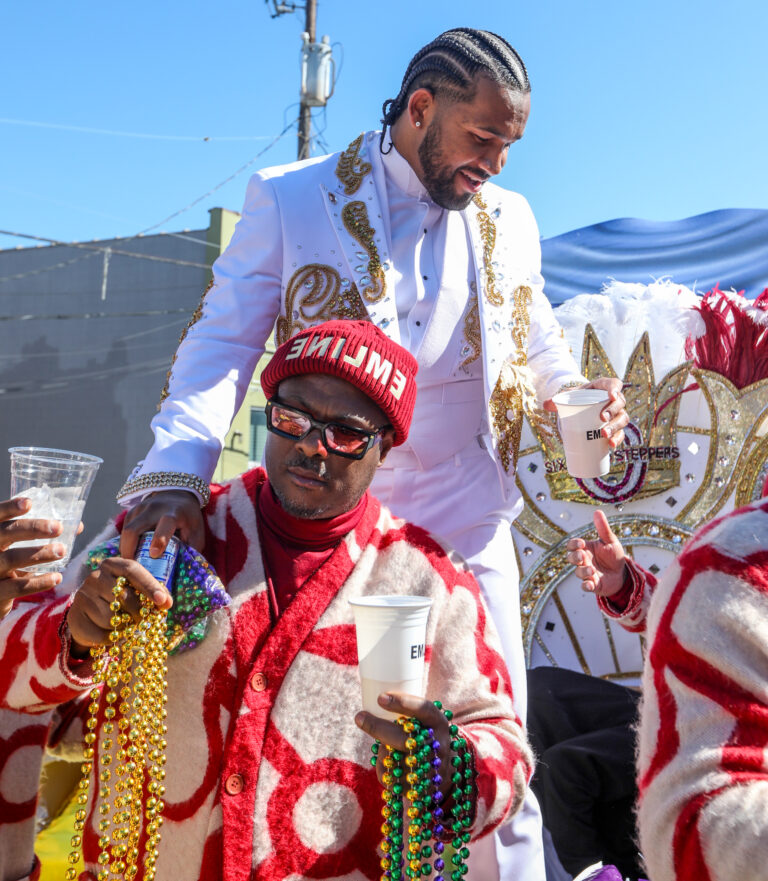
{"points": [[599, 564], [88, 618], [614, 416], [14, 583]]}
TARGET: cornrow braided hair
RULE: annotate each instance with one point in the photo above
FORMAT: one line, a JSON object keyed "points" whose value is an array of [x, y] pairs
{"points": [[449, 65]]}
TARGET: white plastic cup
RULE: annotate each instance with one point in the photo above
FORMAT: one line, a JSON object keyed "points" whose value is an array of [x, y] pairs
{"points": [[587, 452], [57, 482], [391, 639]]}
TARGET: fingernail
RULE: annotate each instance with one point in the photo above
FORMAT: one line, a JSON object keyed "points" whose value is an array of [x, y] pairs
{"points": [[22, 504], [359, 718], [58, 549], [385, 699], [607, 431], [53, 527]]}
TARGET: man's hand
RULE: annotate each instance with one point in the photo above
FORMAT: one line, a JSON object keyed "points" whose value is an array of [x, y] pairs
{"points": [[13, 582], [393, 735], [89, 615], [614, 415], [167, 512], [599, 564]]}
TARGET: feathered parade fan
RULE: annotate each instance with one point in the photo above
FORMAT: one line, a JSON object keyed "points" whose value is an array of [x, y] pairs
{"points": [[735, 338]]}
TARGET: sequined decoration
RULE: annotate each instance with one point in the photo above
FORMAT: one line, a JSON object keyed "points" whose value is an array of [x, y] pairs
{"points": [[736, 452], [351, 169], [196, 316], [506, 407], [474, 341], [316, 293], [522, 298], [512, 399], [488, 234], [126, 729], [355, 218]]}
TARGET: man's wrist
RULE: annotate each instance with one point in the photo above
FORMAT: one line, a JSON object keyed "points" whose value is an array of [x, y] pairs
{"points": [[166, 480]]}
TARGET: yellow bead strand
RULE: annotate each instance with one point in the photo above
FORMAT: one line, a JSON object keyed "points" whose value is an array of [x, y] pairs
{"points": [[130, 689]]}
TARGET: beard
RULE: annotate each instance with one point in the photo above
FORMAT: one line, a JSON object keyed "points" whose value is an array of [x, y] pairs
{"points": [[439, 179], [296, 508]]}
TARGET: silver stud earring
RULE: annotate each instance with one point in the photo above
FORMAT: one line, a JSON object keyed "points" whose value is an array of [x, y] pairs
{"points": [[418, 124]]}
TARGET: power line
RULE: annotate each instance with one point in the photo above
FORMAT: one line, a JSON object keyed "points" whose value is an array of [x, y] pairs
{"points": [[103, 131], [96, 248], [239, 171], [81, 315], [103, 248], [60, 265], [59, 353]]}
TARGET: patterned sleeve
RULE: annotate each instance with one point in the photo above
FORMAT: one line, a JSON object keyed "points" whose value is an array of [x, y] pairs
{"points": [[703, 780], [468, 674], [34, 649], [630, 607]]}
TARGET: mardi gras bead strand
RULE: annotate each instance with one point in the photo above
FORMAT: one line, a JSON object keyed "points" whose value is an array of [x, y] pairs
{"points": [[426, 821], [132, 670]]}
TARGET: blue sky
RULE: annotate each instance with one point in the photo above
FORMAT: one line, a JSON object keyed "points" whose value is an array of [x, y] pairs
{"points": [[654, 110]]}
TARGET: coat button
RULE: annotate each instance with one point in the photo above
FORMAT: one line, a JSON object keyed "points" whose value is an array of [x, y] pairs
{"points": [[259, 681], [234, 784]]}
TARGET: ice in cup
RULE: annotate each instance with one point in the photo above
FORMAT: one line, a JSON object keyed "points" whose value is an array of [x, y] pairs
{"points": [[391, 639], [587, 452], [57, 483]]}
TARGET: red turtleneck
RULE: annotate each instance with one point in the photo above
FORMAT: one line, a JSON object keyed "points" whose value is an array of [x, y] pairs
{"points": [[293, 549]]}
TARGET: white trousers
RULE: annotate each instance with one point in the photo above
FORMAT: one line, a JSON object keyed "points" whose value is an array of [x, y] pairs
{"points": [[461, 501]]}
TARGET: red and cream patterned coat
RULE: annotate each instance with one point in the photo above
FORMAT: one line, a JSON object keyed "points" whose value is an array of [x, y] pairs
{"points": [[703, 734], [267, 776]]}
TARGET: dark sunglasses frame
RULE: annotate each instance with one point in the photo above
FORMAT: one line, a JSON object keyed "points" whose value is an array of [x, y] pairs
{"points": [[368, 436]]}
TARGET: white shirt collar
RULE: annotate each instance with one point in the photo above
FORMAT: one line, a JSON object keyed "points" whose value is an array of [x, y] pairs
{"points": [[399, 173]]}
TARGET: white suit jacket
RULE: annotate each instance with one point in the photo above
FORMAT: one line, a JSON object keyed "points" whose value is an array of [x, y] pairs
{"points": [[313, 245]]}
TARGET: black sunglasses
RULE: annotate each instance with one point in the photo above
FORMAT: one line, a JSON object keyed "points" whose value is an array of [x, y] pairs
{"points": [[343, 440]]}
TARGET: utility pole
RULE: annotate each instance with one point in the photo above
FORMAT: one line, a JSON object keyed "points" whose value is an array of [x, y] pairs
{"points": [[305, 113], [318, 68]]}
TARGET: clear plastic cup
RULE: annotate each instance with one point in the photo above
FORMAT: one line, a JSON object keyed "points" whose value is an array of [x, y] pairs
{"points": [[57, 483], [391, 639], [587, 452]]}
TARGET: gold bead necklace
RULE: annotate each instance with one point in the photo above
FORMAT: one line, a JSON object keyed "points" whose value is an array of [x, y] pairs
{"points": [[130, 684]]}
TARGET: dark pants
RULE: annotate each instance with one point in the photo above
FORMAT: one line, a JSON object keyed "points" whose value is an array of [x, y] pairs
{"points": [[581, 730]]}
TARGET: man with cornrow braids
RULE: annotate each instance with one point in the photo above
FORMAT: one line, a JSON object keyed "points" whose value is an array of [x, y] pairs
{"points": [[403, 229]]}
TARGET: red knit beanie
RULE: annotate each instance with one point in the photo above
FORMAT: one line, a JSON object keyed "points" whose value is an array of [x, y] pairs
{"points": [[358, 352]]}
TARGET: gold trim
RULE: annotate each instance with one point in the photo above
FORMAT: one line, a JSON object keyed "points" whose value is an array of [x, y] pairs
{"points": [[611, 644], [472, 333], [571, 634], [533, 510], [313, 295], [355, 218], [750, 485], [628, 674], [196, 316], [522, 297], [488, 234], [543, 646], [351, 169]]}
